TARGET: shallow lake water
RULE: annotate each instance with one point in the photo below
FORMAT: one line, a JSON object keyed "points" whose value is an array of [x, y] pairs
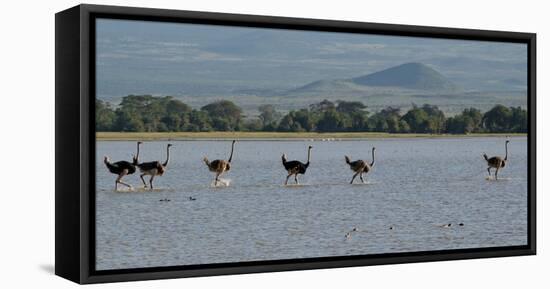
{"points": [[416, 186]]}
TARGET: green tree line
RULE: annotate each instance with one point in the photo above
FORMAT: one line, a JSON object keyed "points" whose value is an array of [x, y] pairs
{"points": [[146, 113]]}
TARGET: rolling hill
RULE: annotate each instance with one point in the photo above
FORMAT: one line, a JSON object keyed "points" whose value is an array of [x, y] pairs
{"points": [[408, 76]]}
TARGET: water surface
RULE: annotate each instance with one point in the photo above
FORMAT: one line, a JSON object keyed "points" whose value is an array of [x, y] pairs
{"points": [[416, 186]]}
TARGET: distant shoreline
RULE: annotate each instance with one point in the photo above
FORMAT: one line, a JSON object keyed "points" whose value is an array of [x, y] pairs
{"points": [[217, 135]]}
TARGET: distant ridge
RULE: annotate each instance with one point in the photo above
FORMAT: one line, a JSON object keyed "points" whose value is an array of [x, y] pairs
{"points": [[327, 85], [409, 75]]}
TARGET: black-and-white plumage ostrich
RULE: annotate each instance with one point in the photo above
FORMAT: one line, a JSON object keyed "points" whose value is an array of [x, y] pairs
{"points": [[120, 168], [296, 167], [497, 162], [220, 166], [155, 168], [360, 167]]}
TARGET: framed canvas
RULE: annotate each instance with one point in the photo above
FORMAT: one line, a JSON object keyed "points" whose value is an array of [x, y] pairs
{"points": [[195, 144]]}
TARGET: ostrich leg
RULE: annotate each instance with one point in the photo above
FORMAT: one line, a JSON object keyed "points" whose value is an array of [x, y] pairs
{"points": [[217, 179], [361, 177], [143, 180], [286, 182], [496, 174], [119, 180], [354, 176], [151, 181], [489, 170], [296, 178], [126, 184]]}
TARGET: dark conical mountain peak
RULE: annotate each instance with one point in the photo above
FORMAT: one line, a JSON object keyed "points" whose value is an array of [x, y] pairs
{"points": [[409, 75]]}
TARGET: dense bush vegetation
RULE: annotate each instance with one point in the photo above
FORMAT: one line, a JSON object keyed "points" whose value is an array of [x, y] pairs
{"points": [[145, 113]]}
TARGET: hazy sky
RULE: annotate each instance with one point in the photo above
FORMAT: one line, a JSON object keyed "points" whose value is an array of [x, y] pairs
{"points": [[143, 57]]}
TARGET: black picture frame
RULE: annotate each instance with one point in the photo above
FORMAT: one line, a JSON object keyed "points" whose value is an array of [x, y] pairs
{"points": [[75, 142]]}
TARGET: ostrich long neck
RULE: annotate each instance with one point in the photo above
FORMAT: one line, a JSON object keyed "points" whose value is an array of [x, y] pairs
{"points": [[372, 163], [167, 156], [137, 153], [308, 155], [231, 155], [506, 148]]}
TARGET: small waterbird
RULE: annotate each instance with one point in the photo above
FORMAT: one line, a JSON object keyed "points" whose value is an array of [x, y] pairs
{"points": [[348, 234]]}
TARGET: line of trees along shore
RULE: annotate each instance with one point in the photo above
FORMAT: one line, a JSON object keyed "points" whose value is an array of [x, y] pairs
{"points": [[146, 113]]}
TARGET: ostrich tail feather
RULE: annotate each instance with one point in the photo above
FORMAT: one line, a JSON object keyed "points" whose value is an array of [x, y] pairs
{"points": [[109, 165], [485, 156], [205, 159], [348, 161], [107, 162], [283, 158]]}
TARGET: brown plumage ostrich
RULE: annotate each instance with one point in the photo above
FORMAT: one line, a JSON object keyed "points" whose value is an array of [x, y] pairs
{"points": [[296, 167], [220, 166], [497, 162], [360, 167], [155, 168]]}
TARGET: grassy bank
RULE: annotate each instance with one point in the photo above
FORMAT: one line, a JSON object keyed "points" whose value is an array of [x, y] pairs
{"points": [[106, 136]]}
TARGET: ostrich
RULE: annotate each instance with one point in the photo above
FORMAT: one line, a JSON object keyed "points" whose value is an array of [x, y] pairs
{"points": [[120, 168], [497, 162], [296, 167], [220, 166], [155, 168], [360, 167]]}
